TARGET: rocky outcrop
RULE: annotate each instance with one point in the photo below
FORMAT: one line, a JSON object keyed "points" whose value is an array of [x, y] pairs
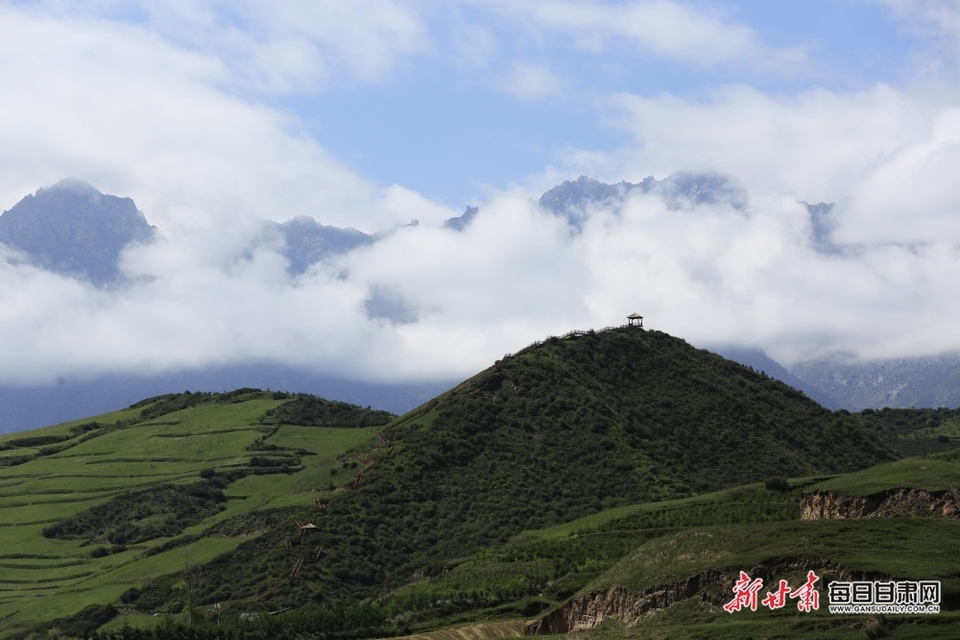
{"points": [[895, 503], [586, 612], [712, 588], [826, 505]]}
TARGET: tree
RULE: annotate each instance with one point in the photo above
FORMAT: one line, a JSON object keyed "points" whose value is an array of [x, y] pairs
{"points": [[189, 584]]}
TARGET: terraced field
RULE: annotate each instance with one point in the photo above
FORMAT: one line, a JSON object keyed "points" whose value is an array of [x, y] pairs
{"points": [[66, 470]]}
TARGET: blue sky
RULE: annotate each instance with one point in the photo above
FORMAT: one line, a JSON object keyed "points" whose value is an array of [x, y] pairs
{"points": [[468, 133], [450, 99], [217, 116]]}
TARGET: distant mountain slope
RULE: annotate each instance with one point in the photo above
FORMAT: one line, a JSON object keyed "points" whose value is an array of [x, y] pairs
{"points": [[308, 242], [760, 361], [30, 407], [73, 229], [932, 381], [463, 221], [571, 198]]}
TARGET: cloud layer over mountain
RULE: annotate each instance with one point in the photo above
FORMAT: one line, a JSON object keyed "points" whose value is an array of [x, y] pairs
{"points": [[219, 121]]}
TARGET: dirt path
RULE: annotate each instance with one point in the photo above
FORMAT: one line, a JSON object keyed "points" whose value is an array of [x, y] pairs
{"points": [[481, 631]]}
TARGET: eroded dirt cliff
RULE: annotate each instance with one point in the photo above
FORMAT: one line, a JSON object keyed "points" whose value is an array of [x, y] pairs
{"points": [[712, 588], [895, 503]]}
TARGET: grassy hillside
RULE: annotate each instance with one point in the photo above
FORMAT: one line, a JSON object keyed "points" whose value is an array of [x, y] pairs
{"points": [[935, 473], [914, 432], [705, 541], [93, 509], [712, 537], [559, 431]]}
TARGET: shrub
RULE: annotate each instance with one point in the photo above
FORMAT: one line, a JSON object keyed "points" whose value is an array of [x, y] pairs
{"points": [[777, 483], [130, 595], [87, 620], [160, 511]]}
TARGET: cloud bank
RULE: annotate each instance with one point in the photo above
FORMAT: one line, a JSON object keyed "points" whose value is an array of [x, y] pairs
{"points": [[430, 303], [188, 110]]}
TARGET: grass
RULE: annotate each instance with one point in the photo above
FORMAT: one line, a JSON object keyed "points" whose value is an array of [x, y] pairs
{"points": [[323, 441], [899, 547], [929, 474], [42, 579], [667, 542], [602, 518], [64, 428], [539, 568]]}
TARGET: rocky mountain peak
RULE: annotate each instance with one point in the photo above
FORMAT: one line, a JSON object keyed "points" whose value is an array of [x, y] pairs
{"points": [[73, 229]]}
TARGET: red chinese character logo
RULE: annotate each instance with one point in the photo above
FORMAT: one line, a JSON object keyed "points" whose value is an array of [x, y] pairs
{"points": [[746, 594], [777, 599], [808, 598]]}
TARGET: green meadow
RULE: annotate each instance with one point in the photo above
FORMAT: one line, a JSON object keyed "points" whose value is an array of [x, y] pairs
{"points": [[71, 468], [653, 546]]}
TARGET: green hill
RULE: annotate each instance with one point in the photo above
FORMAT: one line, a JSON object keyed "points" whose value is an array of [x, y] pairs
{"points": [[664, 570], [914, 432], [695, 548], [92, 509], [559, 431]]}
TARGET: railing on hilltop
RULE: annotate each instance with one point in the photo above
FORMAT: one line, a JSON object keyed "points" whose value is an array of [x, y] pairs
{"points": [[576, 333], [497, 365]]}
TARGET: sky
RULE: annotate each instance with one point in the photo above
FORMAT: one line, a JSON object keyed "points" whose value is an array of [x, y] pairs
{"points": [[216, 117]]}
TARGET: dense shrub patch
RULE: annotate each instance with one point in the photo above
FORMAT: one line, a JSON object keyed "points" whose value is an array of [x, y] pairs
{"points": [[310, 411], [129, 518]]}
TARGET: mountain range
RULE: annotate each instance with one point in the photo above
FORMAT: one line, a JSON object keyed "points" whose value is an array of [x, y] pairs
{"points": [[74, 230], [570, 199]]}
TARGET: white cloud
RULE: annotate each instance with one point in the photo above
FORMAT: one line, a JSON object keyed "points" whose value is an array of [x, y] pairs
{"points": [[812, 146], [530, 82], [928, 17], [711, 273], [884, 156], [933, 29], [702, 37], [367, 37], [666, 28], [150, 107], [133, 115], [910, 195], [288, 46]]}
